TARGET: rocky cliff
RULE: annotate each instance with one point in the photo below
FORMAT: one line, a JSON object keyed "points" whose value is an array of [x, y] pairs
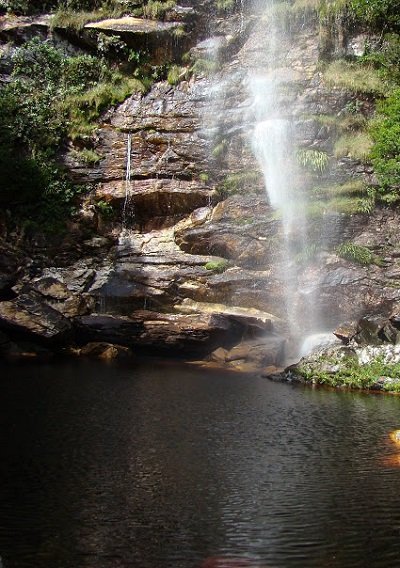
{"points": [[183, 254]]}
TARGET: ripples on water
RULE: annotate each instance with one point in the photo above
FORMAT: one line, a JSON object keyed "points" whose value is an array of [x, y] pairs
{"points": [[162, 466]]}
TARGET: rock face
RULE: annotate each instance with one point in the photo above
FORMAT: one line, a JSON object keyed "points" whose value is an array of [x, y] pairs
{"points": [[192, 226]]}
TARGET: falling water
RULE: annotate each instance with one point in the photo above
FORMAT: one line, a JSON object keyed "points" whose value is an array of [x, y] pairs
{"points": [[274, 147], [126, 210]]}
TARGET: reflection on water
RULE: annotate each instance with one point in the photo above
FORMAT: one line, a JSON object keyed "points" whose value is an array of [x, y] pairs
{"points": [[163, 466]]}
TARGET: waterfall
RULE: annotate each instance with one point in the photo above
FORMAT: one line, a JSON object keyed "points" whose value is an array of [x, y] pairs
{"points": [[273, 144]]}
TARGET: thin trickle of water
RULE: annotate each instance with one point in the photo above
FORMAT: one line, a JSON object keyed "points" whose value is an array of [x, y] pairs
{"points": [[128, 174]]}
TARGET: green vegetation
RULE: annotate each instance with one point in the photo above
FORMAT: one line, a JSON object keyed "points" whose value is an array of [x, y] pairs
{"points": [[385, 154], [314, 160], [105, 209], [307, 254], [86, 156], [204, 67], [217, 266], [359, 254], [349, 373], [157, 9], [355, 77], [225, 4], [244, 181], [51, 96], [378, 15], [175, 74], [355, 145]]}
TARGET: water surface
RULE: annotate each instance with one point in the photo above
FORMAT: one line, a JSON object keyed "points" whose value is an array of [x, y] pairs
{"points": [[158, 465]]}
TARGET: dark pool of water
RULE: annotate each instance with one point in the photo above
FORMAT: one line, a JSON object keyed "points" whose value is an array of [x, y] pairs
{"points": [[159, 465]]}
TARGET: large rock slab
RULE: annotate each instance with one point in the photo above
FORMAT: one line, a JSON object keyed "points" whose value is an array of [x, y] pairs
{"points": [[249, 317], [167, 333], [30, 315]]}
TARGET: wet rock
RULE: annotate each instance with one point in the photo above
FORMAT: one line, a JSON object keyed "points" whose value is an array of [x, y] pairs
{"points": [[105, 351], [25, 351], [219, 355], [168, 333], [9, 268], [370, 330], [248, 317], [387, 384], [59, 297], [29, 314], [346, 331], [268, 350], [159, 201]]}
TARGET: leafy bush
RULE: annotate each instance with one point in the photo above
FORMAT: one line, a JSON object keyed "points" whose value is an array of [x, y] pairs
{"points": [[377, 14], [385, 154]]}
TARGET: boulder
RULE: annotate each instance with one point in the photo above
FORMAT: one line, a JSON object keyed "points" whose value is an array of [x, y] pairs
{"points": [[346, 331], [105, 351], [29, 314]]}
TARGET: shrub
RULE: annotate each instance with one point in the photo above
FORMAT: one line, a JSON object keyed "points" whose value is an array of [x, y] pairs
{"points": [[377, 14], [175, 74], [385, 154], [357, 253], [315, 160], [157, 9]]}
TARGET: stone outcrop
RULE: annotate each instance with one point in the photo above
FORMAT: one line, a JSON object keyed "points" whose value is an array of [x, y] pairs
{"points": [[29, 315], [161, 333]]}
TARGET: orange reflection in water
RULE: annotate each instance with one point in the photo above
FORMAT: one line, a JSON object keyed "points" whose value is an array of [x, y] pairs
{"points": [[395, 437], [393, 460]]}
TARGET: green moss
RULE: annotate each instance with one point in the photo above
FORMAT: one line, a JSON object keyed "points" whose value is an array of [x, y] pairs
{"points": [[84, 108], [225, 5], [217, 266]]}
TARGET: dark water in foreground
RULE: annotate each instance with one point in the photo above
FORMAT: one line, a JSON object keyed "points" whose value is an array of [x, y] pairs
{"points": [[161, 466]]}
